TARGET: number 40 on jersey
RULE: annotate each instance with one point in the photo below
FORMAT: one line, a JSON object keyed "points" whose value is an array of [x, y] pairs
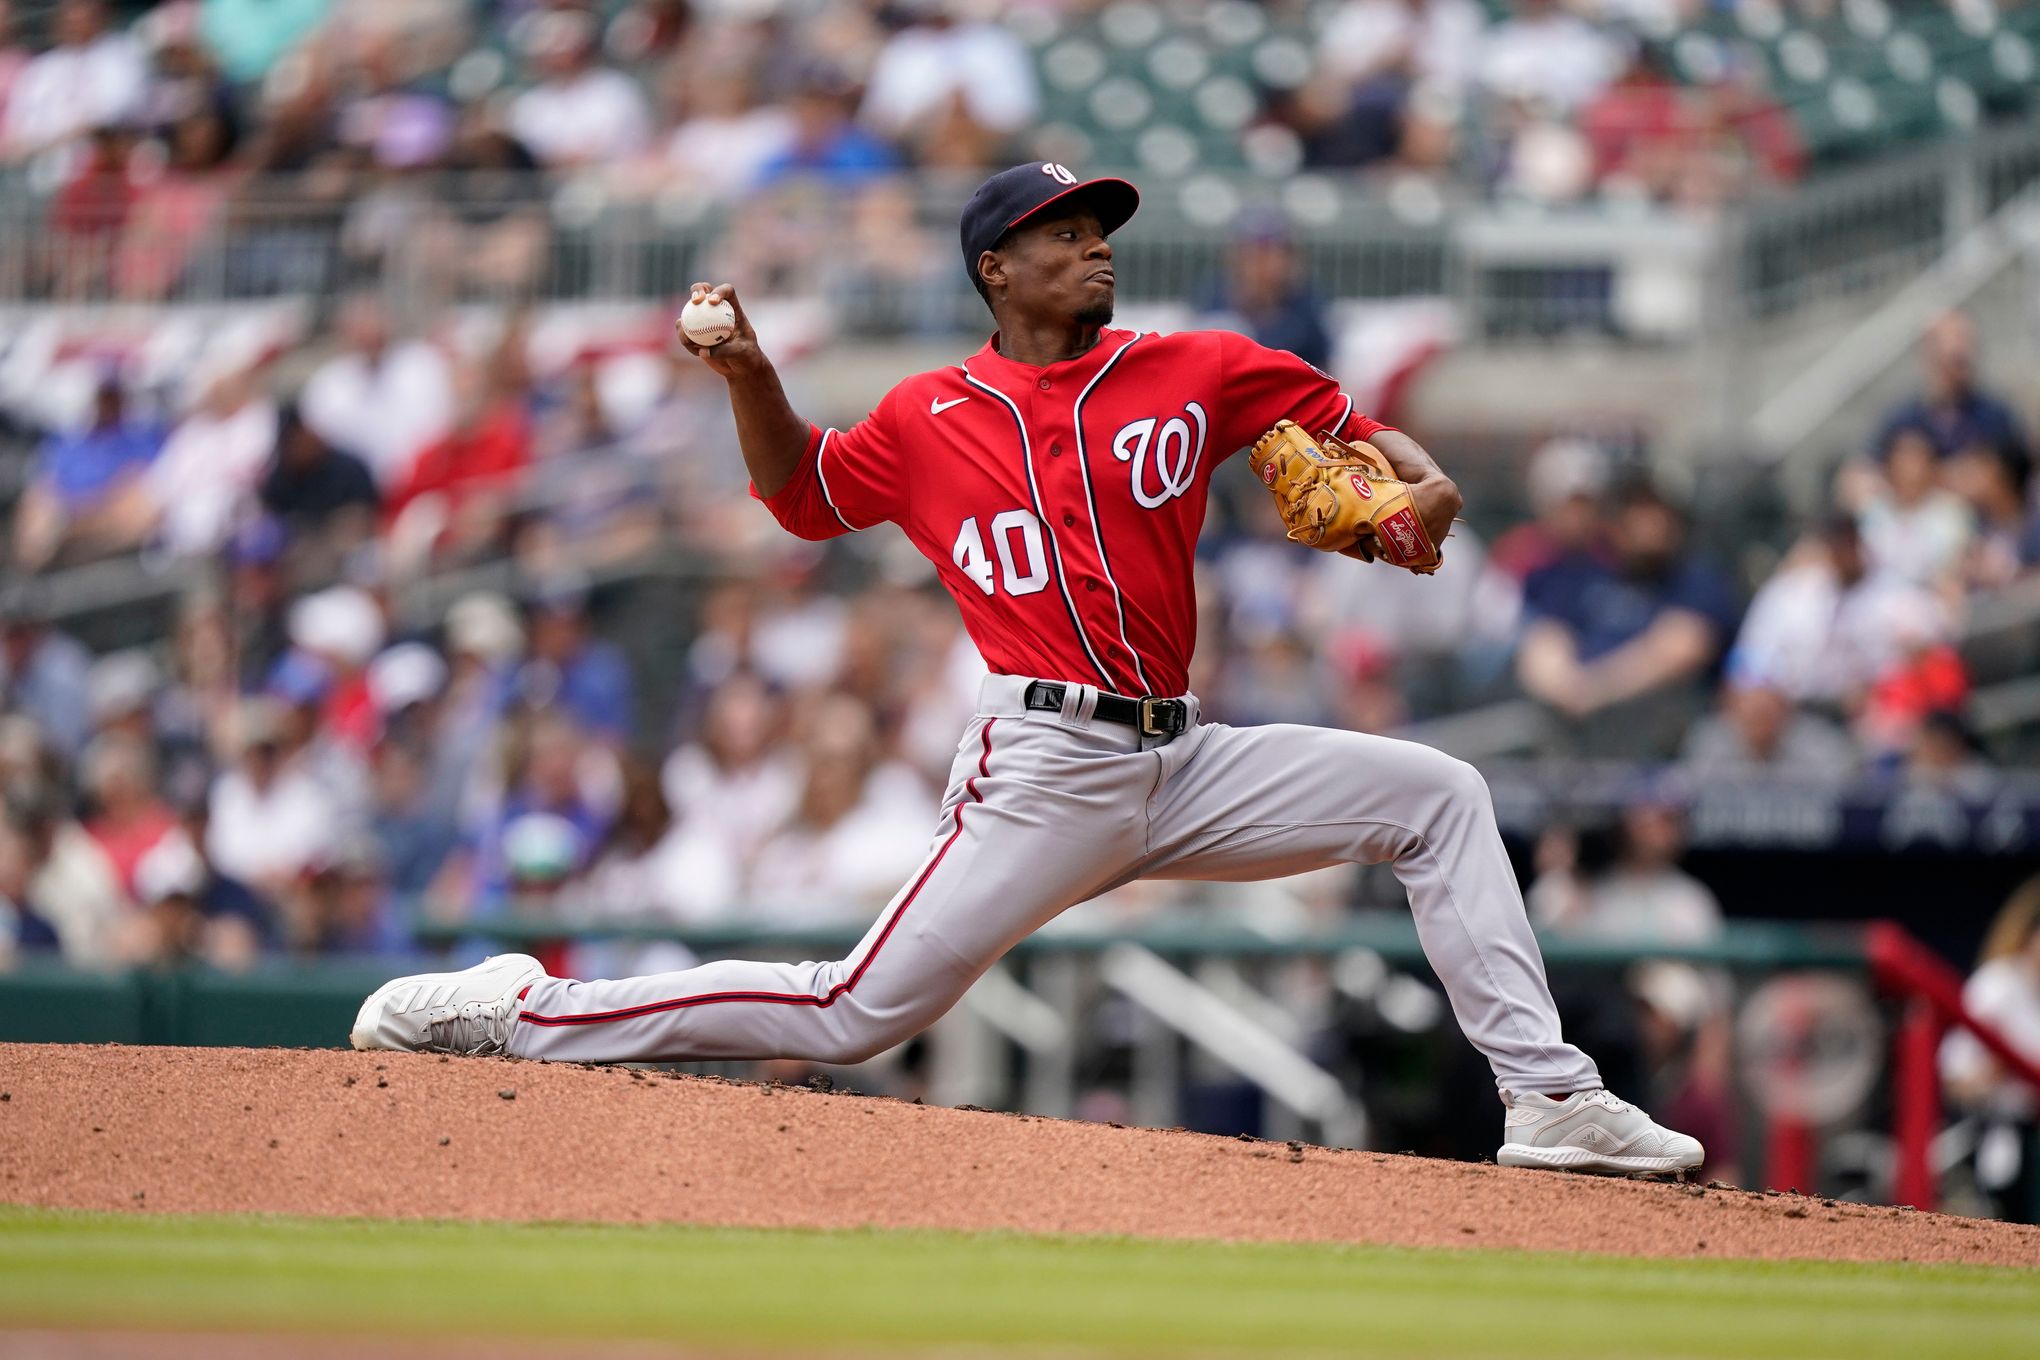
{"points": [[1022, 569]]}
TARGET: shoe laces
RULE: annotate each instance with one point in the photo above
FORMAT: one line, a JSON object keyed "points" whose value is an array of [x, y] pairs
{"points": [[475, 1028], [1608, 1100]]}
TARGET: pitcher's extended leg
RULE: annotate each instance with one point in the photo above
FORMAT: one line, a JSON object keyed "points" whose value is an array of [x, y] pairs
{"points": [[1009, 855], [1262, 802]]}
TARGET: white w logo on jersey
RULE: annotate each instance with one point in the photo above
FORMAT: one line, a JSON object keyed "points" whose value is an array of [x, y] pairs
{"points": [[1176, 453]]}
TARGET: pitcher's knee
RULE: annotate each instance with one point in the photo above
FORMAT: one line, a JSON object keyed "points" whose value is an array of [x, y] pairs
{"points": [[859, 1036]]}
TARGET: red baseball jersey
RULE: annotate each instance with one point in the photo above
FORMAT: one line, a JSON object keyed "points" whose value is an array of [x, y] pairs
{"points": [[1061, 505]]}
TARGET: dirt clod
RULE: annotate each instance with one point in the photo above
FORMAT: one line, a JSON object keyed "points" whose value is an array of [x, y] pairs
{"points": [[507, 1093]]}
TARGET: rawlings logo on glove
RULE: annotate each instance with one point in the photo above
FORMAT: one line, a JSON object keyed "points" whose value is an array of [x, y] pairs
{"points": [[1333, 495]]}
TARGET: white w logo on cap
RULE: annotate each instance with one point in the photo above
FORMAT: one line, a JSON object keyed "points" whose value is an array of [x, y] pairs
{"points": [[1059, 173]]}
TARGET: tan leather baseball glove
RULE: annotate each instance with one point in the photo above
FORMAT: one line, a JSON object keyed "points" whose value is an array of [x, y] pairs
{"points": [[1343, 498]]}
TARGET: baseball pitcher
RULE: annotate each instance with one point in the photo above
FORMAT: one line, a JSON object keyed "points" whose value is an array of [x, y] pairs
{"points": [[1057, 479]]}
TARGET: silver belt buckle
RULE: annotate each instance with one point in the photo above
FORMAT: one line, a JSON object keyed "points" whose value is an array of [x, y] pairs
{"points": [[1155, 715]]}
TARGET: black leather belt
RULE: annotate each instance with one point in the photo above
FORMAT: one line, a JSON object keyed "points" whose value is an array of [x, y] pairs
{"points": [[1150, 716]]}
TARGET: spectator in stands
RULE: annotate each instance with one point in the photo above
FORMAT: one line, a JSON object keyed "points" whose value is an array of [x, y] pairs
{"points": [[1758, 730], [88, 214], [413, 834], [318, 491], [1266, 293], [1381, 62], [1947, 753], [380, 399], [827, 144], [1641, 129], [1643, 895], [14, 56], [950, 87], [22, 928], [399, 121], [341, 628], [250, 36], [94, 77], [462, 487], [1643, 625], [1565, 480], [43, 672], [724, 136], [2003, 993], [127, 818], [72, 886], [78, 475], [580, 112], [1954, 412], [1995, 483], [1544, 54], [494, 233], [655, 869], [271, 818], [189, 912], [209, 468], [196, 128], [349, 906], [736, 779], [1914, 528], [859, 829], [1825, 627], [572, 669], [545, 829]]}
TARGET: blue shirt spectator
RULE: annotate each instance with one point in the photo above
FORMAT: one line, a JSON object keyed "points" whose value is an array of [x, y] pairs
{"points": [[81, 468], [571, 670], [1955, 413], [1604, 607], [827, 145], [1646, 618]]}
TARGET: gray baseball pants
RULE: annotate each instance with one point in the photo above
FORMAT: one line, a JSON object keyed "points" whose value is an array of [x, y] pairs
{"points": [[1045, 810]]}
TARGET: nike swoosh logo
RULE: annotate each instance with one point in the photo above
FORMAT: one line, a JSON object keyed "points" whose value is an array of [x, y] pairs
{"points": [[936, 408]]}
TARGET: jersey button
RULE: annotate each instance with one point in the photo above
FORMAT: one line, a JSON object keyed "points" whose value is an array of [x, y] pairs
{"points": [[1055, 450], [1044, 384], [1068, 519], [1090, 585]]}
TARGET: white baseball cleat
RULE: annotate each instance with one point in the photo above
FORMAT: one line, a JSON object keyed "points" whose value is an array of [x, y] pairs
{"points": [[468, 1012], [1592, 1131]]}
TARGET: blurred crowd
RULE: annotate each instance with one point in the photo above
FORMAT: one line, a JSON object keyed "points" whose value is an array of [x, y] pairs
{"points": [[447, 129], [302, 761]]}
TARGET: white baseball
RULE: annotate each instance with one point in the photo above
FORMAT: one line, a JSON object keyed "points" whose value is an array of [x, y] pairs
{"points": [[708, 323]]}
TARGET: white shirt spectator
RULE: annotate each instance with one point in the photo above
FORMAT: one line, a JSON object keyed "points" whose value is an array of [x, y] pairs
{"points": [[1920, 543], [921, 69], [597, 115], [208, 466], [1817, 642], [846, 871], [688, 877], [740, 807], [1553, 57], [382, 410], [68, 91], [2003, 994], [1441, 39], [724, 156], [260, 835]]}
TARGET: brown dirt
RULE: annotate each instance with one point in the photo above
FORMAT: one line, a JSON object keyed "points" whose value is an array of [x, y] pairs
{"points": [[405, 1136]]}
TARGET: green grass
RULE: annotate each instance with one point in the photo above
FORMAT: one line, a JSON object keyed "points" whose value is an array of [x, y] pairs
{"points": [[795, 1292]]}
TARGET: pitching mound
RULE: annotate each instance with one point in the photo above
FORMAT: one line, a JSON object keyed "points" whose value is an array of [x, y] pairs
{"points": [[401, 1136]]}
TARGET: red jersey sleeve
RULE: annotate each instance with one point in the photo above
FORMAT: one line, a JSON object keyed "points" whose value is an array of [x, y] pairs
{"points": [[1263, 385], [847, 480]]}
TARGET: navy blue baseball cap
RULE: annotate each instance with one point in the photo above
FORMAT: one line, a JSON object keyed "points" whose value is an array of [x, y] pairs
{"points": [[1010, 197]]}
